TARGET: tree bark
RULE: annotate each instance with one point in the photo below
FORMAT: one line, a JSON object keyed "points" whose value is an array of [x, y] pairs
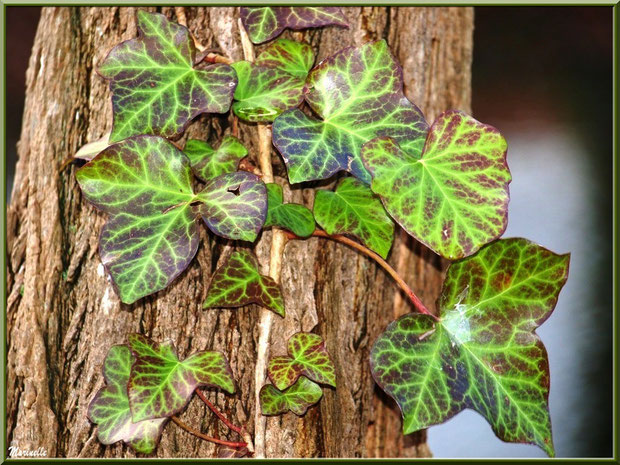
{"points": [[63, 314]]}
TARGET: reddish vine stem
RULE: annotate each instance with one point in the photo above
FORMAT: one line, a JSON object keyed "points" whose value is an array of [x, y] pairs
{"points": [[198, 434], [219, 414], [414, 299]]}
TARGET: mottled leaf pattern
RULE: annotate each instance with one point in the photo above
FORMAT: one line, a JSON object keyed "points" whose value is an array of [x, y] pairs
{"points": [[358, 93], [109, 409], [237, 283], [274, 83], [234, 205], [298, 398], [155, 88], [207, 163], [484, 353], [263, 24], [308, 357], [294, 217], [454, 199], [161, 385], [353, 209]]}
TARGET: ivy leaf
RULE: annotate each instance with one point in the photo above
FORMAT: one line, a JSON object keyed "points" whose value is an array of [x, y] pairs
{"points": [[359, 94], [353, 209], [484, 353], [145, 184], [274, 83], [207, 163], [298, 398], [160, 385], [308, 357], [109, 409], [155, 88], [237, 283], [263, 24], [454, 199], [92, 149], [291, 216]]}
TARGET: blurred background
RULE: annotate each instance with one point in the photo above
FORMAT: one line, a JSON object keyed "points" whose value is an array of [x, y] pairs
{"points": [[543, 76]]}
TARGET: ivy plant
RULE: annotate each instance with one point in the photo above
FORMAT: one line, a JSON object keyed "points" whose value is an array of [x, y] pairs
{"points": [[346, 121]]}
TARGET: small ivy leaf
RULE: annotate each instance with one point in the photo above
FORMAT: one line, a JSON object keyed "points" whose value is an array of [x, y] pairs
{"points": [[274, 83], [298, 398], [308, 357], [234, 205], [484, 353], [353, 209], [109, 409], [155, 88], [208, 163], [359, 94], [454, 199], [263, 24], [160, 385], [237, 283], [92, 149], [292, 216]]}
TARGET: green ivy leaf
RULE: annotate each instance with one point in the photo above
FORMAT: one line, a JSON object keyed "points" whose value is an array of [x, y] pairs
{"points": [[292, 216], [353, 209], [484, 353], [274, 83], [359, 94], [145, 184], [207, 163], [237, 283], [308, 357], [263, 24], [298, 398], [454, 198], [109, 409], [160, 385], [155, 88]]}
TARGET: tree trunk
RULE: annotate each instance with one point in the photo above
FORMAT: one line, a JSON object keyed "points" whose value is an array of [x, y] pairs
{"points": [[63, 314]]}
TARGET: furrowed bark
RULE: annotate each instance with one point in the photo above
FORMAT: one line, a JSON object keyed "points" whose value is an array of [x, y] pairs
{"points": [[63, 315]]}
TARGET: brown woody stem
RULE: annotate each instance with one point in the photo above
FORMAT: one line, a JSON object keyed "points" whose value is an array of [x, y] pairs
{"points": [[198, 434]]}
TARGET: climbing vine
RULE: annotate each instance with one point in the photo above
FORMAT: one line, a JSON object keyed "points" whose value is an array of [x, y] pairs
{"points": [[445, 184]]}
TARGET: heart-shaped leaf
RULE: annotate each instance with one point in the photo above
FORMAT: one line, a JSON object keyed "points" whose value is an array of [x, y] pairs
{"points": [[308, 357], [274, 83], [484, 353], [298, 398], [353, 209], [263, 24], [145, 184], [109, 409], [359, 94], [207, 163], [292, 216], [237, 283], [161, 385], [454, 199], [155, 88]]}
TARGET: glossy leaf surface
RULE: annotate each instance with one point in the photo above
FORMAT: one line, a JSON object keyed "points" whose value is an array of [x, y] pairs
{"points": [[161, 385], [298, 398], [274, 83], [353, 209], [454, 199], [358, 93], [308, 357], [484, 353], [207, 163], [263, 24], [155, 88], [291, 216], [109, 409], [238, 282]]}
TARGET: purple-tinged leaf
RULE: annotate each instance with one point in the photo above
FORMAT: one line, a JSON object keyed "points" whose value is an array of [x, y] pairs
{"points": [[160, 385], [298, 398], [208, 163]]}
